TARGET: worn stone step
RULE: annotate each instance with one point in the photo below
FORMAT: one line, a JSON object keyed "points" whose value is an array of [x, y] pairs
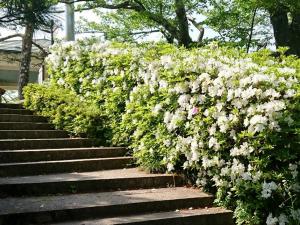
{"points": [[15, 111], [25, 126], [21, 118], [61, 166], [201, 216], [41, 210], [32, 134], [106, 180], [11, 106], [15, 144], [33, 155]]}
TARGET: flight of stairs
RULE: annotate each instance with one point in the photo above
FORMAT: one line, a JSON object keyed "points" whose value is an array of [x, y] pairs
{"points": [[46, 177]]}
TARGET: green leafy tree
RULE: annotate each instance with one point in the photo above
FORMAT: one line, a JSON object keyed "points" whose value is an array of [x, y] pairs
{"points": [[138, 17], [252, 23], [248, 22], [121, 26], [238, 23], [285, 19]]}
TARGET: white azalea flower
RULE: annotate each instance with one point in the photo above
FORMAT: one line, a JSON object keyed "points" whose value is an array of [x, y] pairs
{"points": [[237, 168], [181, 88], [167, 143], [163, 84], [170, 167], [61, 81], [183, 100], [282, 219], [290, 93], [267, 189], [271, 220], [157, 109], [286, 70], [213, 143], [167, 117], [257, 78], [167, 61], [195, 155]]}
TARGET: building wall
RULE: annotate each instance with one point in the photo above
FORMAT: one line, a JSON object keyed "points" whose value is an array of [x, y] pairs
{"points": [[9, 70], [9, 78]]}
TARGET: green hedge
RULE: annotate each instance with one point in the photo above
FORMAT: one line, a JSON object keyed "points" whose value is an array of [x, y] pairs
{"points": [[65, 109], [229, 120]]}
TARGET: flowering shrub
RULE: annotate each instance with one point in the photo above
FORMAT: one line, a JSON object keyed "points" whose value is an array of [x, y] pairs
{"points": [[228, 119], [64, 109]]}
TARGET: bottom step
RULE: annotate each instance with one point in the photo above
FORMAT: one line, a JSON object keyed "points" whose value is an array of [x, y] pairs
{"points": [[40, 210], [207, 216]]}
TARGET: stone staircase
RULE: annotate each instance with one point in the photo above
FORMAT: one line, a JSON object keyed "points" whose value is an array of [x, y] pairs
{"points": [[46, 177]]}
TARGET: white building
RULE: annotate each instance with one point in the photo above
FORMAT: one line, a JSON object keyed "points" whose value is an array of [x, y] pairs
{"points": [[10, 63]]}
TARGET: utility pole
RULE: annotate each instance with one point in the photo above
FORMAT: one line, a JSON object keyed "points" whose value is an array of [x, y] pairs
{"points": [[52, 31], [70, 22]]}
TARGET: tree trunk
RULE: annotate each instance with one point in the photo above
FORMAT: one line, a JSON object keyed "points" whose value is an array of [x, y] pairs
{"points": [[295, 35], [25, 59], [251, 30], [183, 24], [280, 23], [168, 36], [286, 35], [52, 31]]}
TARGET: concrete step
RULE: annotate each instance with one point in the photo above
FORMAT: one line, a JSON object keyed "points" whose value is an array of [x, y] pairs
{"points": [[41, 210], [34, 155], [25, 126], [21, 118], [201, 216], [15, 144], [11, 106], [15, 111], [63, 166], [32, 134], [106, 180]]}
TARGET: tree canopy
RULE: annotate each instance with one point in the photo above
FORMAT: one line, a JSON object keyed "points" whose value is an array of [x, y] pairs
{"points": [[171, 18], [241, 23], [19, 12]]}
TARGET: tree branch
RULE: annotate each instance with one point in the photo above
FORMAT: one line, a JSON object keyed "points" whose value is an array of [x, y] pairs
{"points": [[199, 27], [123, 5], [183, 25], [144, 32], [40, 47], [251, 30], [135, 5], [130, 33], [140, 4], [10, 36]]}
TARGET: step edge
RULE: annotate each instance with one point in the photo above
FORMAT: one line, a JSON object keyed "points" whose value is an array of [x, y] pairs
{"points": [[22, 115], [151, 176], [37, 139], [66, 161], [33, 131], [63, 149]]}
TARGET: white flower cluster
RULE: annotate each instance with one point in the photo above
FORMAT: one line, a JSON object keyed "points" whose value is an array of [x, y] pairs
{"points": [[243, 102], [267, 189], [218, 110], [281, 220], [244, 150]]}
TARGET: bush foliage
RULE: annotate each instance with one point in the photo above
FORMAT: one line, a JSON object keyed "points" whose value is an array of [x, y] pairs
{"points": [[228, 119]]}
